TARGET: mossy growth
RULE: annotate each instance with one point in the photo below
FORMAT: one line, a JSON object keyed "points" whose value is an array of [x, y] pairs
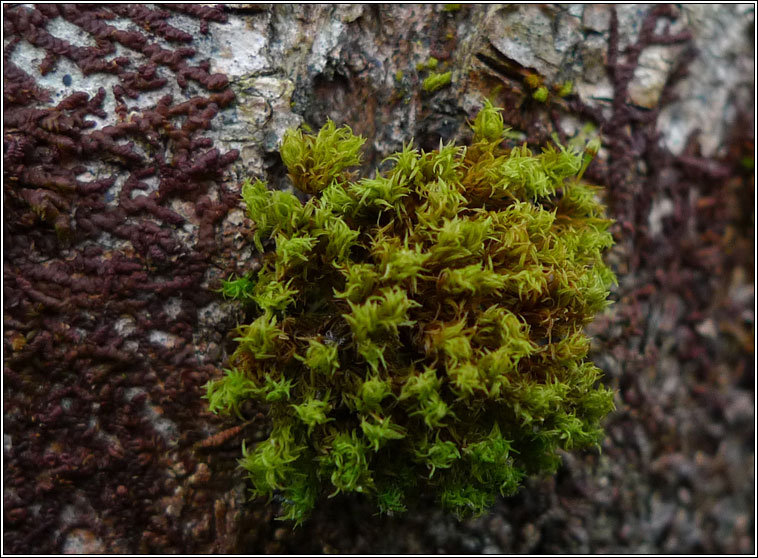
{"points": [[435, 81], [540, 94], [419, 330], [430, 64], [565, 89]]}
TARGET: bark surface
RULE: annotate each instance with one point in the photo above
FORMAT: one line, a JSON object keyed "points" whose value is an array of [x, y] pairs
{"points": [[127, 131]]}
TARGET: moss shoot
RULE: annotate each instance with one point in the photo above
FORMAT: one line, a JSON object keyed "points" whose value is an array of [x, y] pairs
{"points": [[435, 81], [420, 330]]}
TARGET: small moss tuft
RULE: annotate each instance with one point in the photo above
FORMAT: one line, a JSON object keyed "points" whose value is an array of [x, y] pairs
{"points": [[436, 81], [540, 94], [566, 88], [420, 330]]}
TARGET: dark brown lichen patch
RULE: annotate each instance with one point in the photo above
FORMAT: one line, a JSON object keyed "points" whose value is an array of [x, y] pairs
{"points": [[104, 276]]}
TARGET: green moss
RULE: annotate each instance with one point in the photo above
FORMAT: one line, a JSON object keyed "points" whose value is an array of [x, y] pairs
{"points": [[566, 88], [314, 161], [421, 330], [436, 81], [540, 94], [533, 81], [430, 64]]}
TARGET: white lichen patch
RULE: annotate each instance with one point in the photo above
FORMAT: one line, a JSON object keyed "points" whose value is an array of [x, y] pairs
{"points": [[167, 429], [239, 48], [164, 339], [721, 77], [327, 39], [148, 185], [65, 78], [173, 307], [531, 37], [655, 64], [132, 392], [186, 209], [264, 105], [188, 25], [82, 541], [112, 193], [660, 210], [62, 29], [596, 17], [28, 57], [212, 314], [113, 244], [235, 218], [78, 540]]}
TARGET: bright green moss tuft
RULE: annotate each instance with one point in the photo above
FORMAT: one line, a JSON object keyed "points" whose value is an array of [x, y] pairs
{"points": [[420, 330], [566, 88], [436, 81], [540, 94], [314, 161]]}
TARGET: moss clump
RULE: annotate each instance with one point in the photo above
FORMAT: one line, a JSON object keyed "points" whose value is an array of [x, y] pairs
{"points": [[435, 81], [430, 64], [565, 89], [420, 330], [540, 94]]}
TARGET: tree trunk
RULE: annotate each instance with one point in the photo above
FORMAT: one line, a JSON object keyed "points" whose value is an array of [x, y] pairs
{"points": [[127, 132]]}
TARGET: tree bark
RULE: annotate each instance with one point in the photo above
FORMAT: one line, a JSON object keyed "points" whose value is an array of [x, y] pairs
{"points": [[127, 132]]}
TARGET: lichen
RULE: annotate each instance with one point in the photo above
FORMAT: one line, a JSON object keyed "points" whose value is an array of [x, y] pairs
{"points": [[420, 330]]}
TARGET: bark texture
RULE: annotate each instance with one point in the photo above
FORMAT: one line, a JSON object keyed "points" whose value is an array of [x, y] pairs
{"points": [[127, 130]]}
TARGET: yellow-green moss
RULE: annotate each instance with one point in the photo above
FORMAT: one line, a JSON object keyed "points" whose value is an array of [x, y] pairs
{"points": [[540, 94], [566, 88], [419, 330], [436, 81]]}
